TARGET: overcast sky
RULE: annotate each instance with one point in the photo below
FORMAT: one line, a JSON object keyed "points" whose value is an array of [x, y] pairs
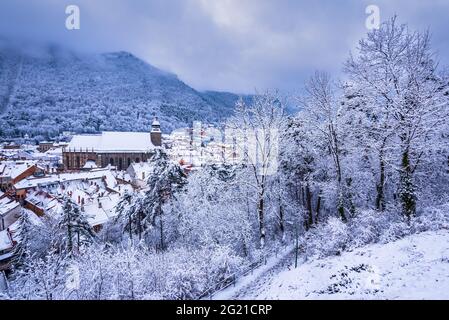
{"points": [[225, 45]]}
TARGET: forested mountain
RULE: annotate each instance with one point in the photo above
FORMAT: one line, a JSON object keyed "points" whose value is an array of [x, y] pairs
{"points": [[47, 90]]}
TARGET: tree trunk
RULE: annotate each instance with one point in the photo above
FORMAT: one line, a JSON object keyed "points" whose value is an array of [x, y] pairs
{"points": [[351, 205], [130, 228], [281, 214], [260, 209], [162, 229], [380, 199], [69, 238], [139, 225], [407, 188], [69, 233], [340, 206], [340, 200], [309, 206], [336, 152], [303, 202], [281, 222], [318, 208]]}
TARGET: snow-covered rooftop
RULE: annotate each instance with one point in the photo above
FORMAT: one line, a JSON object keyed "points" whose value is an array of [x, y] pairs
{"points": [[112, 141], [5, 240], [63, 177], [13, 169], [6, 205], [97, 192], [141, 170]]}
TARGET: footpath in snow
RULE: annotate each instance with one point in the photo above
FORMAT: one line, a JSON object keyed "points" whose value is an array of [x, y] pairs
{"points": [[242, 285], [416, 267]]}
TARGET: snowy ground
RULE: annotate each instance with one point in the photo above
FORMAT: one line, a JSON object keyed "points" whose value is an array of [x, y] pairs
{"points": [[256, 277], [416, 267]]}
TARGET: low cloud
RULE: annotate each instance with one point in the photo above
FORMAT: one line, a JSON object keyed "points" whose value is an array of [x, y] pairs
{"points": [[232, 45]]}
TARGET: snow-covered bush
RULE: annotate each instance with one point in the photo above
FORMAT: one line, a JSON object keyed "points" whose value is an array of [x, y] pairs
{"points": [[223, 264], [432, 218], [395, 231], [132, 273], [367, 227], [328, 239], [185, 283], [371, 226]]}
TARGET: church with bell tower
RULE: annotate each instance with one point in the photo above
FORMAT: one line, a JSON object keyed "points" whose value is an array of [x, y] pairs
{"points": [[118, 149]]}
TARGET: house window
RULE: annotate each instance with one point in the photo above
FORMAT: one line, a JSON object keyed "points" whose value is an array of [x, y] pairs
{"points": [[111, 161], [78, 161], [129, 162], [137, 160], [120, 164]]}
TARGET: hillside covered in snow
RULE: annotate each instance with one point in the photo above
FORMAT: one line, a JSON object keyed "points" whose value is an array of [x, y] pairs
{"points": [[415, 267], [47, 90]]}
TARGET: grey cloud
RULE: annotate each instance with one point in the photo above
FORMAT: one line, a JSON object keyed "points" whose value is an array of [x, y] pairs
{"points": [[234, 45]]}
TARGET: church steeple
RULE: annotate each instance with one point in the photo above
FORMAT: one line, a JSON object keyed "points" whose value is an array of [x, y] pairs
{"points": [[156, 134]]}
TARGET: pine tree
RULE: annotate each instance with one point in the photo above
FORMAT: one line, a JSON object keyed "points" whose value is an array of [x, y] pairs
{"points": [[126, 212], [75, 223], [22, 236], [141, 212], [162, 184]]}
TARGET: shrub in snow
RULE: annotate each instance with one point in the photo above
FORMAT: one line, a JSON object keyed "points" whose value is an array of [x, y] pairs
{"points": [[224, 263], [395, 231], [371, 226], [184, 283], [43, 278], [200, 270], [330, 238], [432, 218], [367, 227]]}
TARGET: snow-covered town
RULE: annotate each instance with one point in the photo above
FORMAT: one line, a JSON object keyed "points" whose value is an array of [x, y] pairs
{"points": [[224, 150], [94, 171]]}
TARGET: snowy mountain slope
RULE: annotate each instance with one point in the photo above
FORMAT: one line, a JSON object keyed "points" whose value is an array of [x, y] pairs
{"points": [[10, 69], [46, 90], [223, 98], [415, 267]]}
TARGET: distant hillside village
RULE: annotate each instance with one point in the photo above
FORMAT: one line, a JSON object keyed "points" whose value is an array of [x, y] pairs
{"points": [[94, 171]]}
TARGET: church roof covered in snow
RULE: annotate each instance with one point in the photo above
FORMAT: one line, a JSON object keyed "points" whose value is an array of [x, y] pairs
{"points": [[111, 141]]}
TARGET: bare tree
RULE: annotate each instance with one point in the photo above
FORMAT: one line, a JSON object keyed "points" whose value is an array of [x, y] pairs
{"points": [[321, 113], [258, 126], [400, 95]]}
